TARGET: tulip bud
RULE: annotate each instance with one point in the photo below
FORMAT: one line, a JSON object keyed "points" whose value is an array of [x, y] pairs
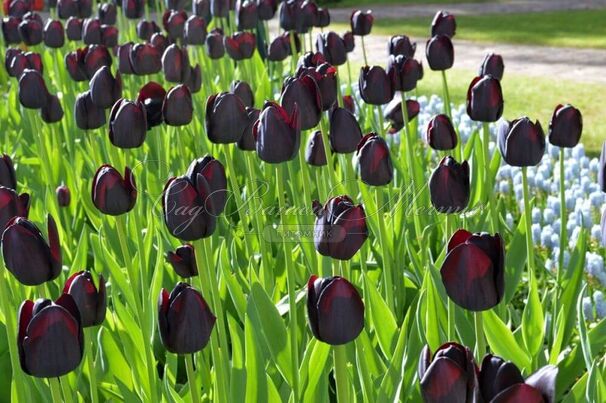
{"points": [[277, 134], [67, 8], [10, 30], [112, 194], [361, 22], [485, 99], [177, 108], [332, 47], [449, 186], [322, 18], [91, 301], [440, 53], [219, 8], [240, 45], [73, 29], [50, 338], [91, 31], [404, 72], [194, 79], [310, 59], [214, 44], [145, 59], [95, 57], [247, 141], [266, 9], [133, 9], [123, 56], [401, 45], [448, 376], [85, 8], [152, 95], [374, 161], [303, 94], [474, 269], [30, 31], [63, 196], [349, 41], [335, 310], [88, 116], [184, 319], [17, 8], [214, 173], [175, 64], [226, 118], [349, 104], [376, 87], [279, 49], [127, 124], [32, 89], [52, 112], [521, 142], [109, 36], [74, 62], [566, 126], [290, 15], [107, 13], [201, 8], [492, 65], [12, 205], [174, 23], [54, 36], [308, 11], [8, 177], [443, 23], [393, 114], [246, 15], [160, 42], [105, 90], [27, 255], [345, 132], [195, 31], [441, 134], [314, 152], [325, 77], [183, 261], [244, 92], [145, 29]]}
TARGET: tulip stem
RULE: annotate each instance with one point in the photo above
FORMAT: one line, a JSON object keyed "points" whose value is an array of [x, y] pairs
{"points": [[563, 233], [55, 390], [191, 378], [328, 153], [235, 188], [67, 393], [387, 274], [485, 168], [349, 76], [294, 53], [528, 222], [480, 341], [448, 112], [364, 51], [92, 380], [341, 378]]}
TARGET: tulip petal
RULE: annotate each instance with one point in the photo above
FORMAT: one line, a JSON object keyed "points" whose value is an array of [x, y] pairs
{"points": [[519, 393], [340, 312], [444, 382], [544, 380]]}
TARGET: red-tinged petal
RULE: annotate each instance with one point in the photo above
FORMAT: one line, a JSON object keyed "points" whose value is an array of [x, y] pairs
{"points": [[459, 237], [519, 393], [67, 301], [54, 245], [340, 312], [444, 382], [69, 281], [25, 316]]}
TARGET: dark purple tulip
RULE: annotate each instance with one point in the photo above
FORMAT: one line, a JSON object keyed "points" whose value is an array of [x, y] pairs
{"points": [[91, 301], [440, 53], [133, 9], [67, 8], [95, 57], [184, 319], [374, 161], [175, 64], [20, 61], [127, 124], [112, 194], [240, 45], [290, 16], [145, 29], [63, 196], [17, 8], [219, 8], [361, 22], [214, 44], [401, 45], [404, 72], [195, 31], [332, 47], [152, 96], [566, 126], [393, 114], [109, 36], [12, 205], [335, 310], [349, 41], [107, 13], [73, 29], [52, 112], [27, 255], [10, 30], [345, 132], [30, 31], [449, 376], [8, 177], [521, 142], [266, 9], [302, 94], [183, 261], [123, 55], [441, 134], [177, 108], [308, 10], [201, 8], [85, 8], [246, 14], [443, 23], [159, 41], [325, 76], [314, 151], [492, 65], [277, 134], [279, 49], [226, 118], [175, 4], [91, 31], [194, 79], [485, 99], [54, 36], [32, 89], [376, 87], [244, 92], [145, 59], [105, 89], [50, 338], [449, 186], [322, 18], [474, 269], [214, 173], [349, 104], [247, 141], [174, 23], [88, 115]]}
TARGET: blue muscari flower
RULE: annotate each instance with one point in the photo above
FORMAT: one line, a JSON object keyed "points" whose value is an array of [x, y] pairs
{"points": [[600, 304]]}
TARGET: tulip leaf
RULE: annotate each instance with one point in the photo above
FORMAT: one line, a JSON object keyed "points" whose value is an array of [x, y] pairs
{"points": [[596, 390], [382, 318], [503, 342], [515, 260], [577, 392], [315, 368], [256, 385], [533, 322]]}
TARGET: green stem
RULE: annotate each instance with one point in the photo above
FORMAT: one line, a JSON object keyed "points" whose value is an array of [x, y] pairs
{"points": [[191, 378], [563, 219], [528, 220], [339, 92], [383, 236], [364, 52], [448, 112], [293, 50], [67, 393], [381, 121], [328, 153], [55, 390], [90, 358], [485, 168], [479, 333], [411, 167], [341, 379], [235, 188]]}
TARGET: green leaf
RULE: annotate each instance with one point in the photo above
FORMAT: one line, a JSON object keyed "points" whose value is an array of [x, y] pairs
{"points": [[516, 260], [502, 341], [381, 318], [256, 385], [315, 368], [533, 322]]}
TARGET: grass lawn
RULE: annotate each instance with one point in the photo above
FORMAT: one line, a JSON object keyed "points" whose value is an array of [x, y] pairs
{"points": [[585, 29], [370, 3]]}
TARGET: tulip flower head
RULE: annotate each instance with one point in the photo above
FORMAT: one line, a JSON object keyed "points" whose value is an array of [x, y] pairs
{"points": [[111, 193], [8, 177], [332, 47], [226, 118], [440, 134], [376, 87], [492, 65], [177, 107], [361, 22], [152, 95], [314, 151], [247, 142], [12, 205], [277, 133], [449, 186], [183, 261], [128, 124], [63, 196], [566, 126], [90, 299], [374, 164], [485, 99], [521, 142], [443, 23], [401, 45], [439, 52], [345, 133]]}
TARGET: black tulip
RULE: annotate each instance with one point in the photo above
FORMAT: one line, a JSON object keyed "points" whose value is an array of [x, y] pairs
{"points": [[111, 193], [54, 36], [133, 9], [175, 64], [335, 310], [376, 87], [123, 56], [145, 29], [219, 8], [17, 8], [32, 89], [174, 23], [177, 108], [279, 49], [349, 41], [289, 15], [322, 18], [63, 196], [73, 29], [95, 57], [195, 31], [74, 62], [244, 92], [361, 22], [449, 186], [152, 95], [266, 9], [12, 205], [404, 72], [247, 141], [566, 126], [52, 112], [303, 94], [314, 151], [127, 124], [374, 161], [91, 31], [214, 44], [67, 8], [10, 30], [492, 65], [277, 133], [332, 47], [105, 89], [441, 134], [325, 77], [308, 11], [20, 61], [214, 173], [345, 132], [85, 8], [109, 36], [107, 13], [485, 99], [349, 104], [401, 45], [8, 177], [440, 53], [246, 15], [88, 115], [393, 114], [145, 59], [443, 23], [90, 299], [521, 142], [160, 42], [201, 8], [30, 31], [50, 338], [27, 255], [240, 45], [194, 79], [183, 261], [226, 118]]}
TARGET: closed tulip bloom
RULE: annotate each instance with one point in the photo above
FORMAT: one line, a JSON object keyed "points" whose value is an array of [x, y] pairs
{"points": [[240, 45], [85, 8], [95, 57], [440, 53], [244, 92], [159, 41], [335, 310], [194, 79], [214, 173], [246, 15], [112, 194], [332, 47], [133, 9], [145, 29], [374, 164], [107, 13], [127, 124], [349, 104], [376, 87], [91, 301], [16, 62], [178, 107], [448, 376], [183, 261], [279, 49], [219, 8], [32, 89], [474, 269], [54, 36], [8, 177], [214, 44], [30, 31], [201, 8], [152, 96], [12, 205], [63, 196], [123, 56], [184, 319], [74, 62], [226, 118], [345, 133], [441, 134], [443, 23], [566, 126], [314, 151], [309, 14], [266, 9], [247, 141], [195, 31], [393, 114], [311, 59], [322, 18], [349, 41], [277, 133], [492, 65], [175, 64], [401, 45], [325, 76], [67, 8], [449, 186], [105, 89], [73, 29], [404, 72], [88, 116], [361, 22], [26, 253], [10, 30], [521, 142], [50, 338], [52, 112], [174, 23], [290, 16], [303, 94], [91, 31], [145, 59], [109, 36], [485, 99]]}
